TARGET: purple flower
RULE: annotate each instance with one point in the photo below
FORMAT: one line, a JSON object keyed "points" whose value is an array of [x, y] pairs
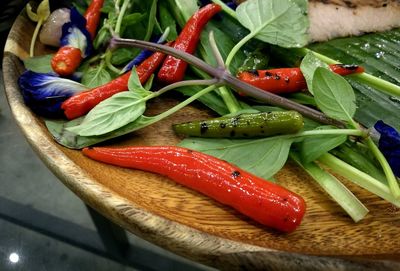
{"points": [[389, 144], [75, 34], [44, 92]]}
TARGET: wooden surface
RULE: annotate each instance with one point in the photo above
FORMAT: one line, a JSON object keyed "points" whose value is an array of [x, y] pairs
{"points": [[193, 225]]}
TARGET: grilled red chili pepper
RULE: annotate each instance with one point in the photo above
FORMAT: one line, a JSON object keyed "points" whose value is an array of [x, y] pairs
{"points": [[265, 202], [173, 69], [287, 80], [66, 60], [92, 16], [81, 103]]}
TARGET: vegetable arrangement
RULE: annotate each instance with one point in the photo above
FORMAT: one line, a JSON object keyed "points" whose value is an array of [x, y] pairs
{"points": [[117, 81]]}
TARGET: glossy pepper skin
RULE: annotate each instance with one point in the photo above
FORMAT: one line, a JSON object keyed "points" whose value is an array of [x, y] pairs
{"points": [[288, 80], [81, 103], [173, 69], [244, 125], [92, 16], [66, 60], [265, 202]]}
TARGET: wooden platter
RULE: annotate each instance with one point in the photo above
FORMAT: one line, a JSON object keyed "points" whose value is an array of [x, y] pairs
{"points": [[187, 223]]}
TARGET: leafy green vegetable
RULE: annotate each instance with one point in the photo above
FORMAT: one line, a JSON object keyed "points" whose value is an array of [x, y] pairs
{"points": [[167, 20], [312, 148], [263, 157], [277, 22], [151, 20], [40, 64], [114, 112], [111, 114], [96, 76], [333, 95], [308, 66]]}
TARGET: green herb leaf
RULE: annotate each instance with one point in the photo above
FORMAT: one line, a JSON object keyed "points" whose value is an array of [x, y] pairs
{"points": [[333, 95], [262, 157], [40, 64], [111, 114], [135, 85], [313, 147], [280, 22], [167, 20], [308, 66], [96, 76]]}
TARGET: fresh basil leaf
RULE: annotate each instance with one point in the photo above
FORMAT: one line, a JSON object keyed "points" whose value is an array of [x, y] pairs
{"points": [[149, 83], [123, 55], [167, 20], [95, 76], [152, 20], [333, 95], [212, 100], [39, 64], [279, 22], [186, 8], [111, 114], [130, 20], [135, 85], [262, 157], [60, 132], [312, 148], [308, 66]]}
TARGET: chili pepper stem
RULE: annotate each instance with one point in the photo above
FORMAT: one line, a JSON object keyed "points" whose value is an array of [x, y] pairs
{"points": [[225, 78]]}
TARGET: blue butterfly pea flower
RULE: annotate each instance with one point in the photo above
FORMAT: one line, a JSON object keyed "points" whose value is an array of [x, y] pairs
{"points": [[389, 145], [45, 92], [75, 34]]}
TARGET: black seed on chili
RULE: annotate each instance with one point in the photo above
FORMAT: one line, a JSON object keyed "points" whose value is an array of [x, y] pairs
{"points": [[203, 127], [255, 72], [222, 125], [287, 80], [232, 133], [277, 77], [235, 174], [268, 74], [348, 66], [234, 121]]}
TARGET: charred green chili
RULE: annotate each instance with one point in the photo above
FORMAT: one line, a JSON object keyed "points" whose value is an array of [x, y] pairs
{"points": [[245, 125]]}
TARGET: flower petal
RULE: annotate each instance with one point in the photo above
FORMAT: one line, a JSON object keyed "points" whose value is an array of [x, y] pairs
{"points": [[44, 92], [389, 144], [75, 34]]}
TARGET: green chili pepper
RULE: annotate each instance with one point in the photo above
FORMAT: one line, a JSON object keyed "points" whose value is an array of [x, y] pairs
{"points": [[244, 125]]}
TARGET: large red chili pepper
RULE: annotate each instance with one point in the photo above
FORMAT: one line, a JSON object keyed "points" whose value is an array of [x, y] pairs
{"points": [[173, 69], [288, 80], [263, 201], [92, 16], [81, 103]]}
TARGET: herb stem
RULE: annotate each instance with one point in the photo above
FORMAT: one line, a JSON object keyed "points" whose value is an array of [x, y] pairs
{"points": [[358, 177], [236, 48], [34, 37], [121, 16], [338, 192], [225, 77], [215, 51], [109, 65], [225, 8], [392, 181]]}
